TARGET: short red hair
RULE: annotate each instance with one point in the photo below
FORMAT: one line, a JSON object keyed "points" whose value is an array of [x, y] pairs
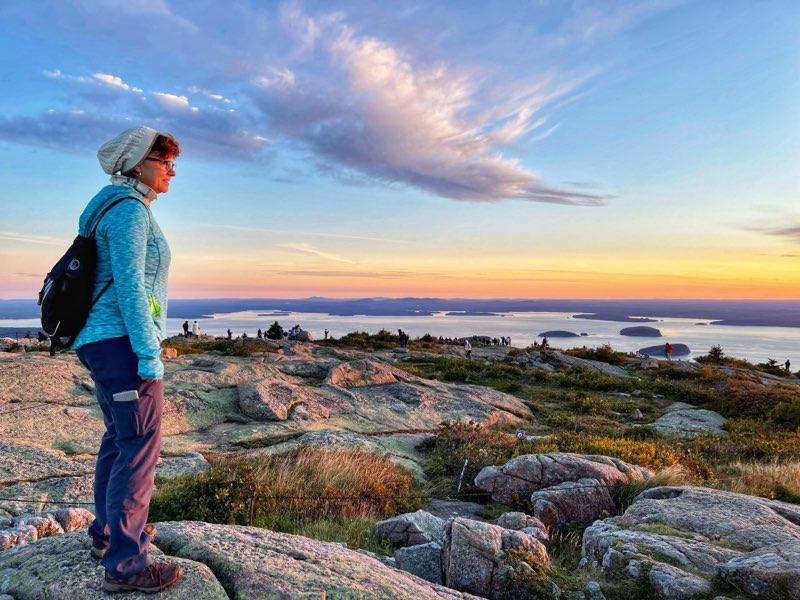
{"points": [[166, 145]]}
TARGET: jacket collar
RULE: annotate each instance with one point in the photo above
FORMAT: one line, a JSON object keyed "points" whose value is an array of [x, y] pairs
{"points": [[135, 184]]}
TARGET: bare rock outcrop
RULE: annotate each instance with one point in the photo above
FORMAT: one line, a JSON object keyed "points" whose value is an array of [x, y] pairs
{"points": [[258, 563], [515, 482], [15, 531], [278, 399], [361, 372], [548, 360], [685, 420], [411, 529], [579, 501], [520, 521], [684, 537], [473, 557], [60, 568]]}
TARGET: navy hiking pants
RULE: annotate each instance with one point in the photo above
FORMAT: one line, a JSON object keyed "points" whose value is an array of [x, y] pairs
{"points": [[126, 463]]}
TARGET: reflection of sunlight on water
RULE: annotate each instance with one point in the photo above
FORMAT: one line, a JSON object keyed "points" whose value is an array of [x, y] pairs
{"points": [[751, 342]]}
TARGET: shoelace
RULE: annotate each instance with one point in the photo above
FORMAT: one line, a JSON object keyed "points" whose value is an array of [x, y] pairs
{"points": [[154, 567]]}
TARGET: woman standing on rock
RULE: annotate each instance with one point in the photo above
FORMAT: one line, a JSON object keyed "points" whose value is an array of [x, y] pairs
{"points": [[120, 344]]}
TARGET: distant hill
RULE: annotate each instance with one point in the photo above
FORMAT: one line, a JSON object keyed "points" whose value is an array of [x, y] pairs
{"points": [[776, 313]]}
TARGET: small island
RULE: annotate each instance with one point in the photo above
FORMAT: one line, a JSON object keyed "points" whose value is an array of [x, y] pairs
{"points": [[468, 313], [558, 333], [640, 331], [659, 351]]}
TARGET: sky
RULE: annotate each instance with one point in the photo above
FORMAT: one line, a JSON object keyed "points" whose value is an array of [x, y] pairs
{"points": [[516, 149]]}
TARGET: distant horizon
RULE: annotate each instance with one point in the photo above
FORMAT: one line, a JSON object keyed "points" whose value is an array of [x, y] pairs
{"points": [[758, 312]]}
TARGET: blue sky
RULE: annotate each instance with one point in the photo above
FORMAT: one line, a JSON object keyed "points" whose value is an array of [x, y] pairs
{"points": [[515, 149]]}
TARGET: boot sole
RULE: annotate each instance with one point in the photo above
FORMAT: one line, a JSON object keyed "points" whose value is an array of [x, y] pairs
{"points": [[111, 587]]}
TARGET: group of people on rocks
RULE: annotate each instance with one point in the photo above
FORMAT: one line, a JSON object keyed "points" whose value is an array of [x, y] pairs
{"points": [[195, 332]]}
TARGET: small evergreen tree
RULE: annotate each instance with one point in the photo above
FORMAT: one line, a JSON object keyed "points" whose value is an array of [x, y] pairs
{"points": [[715, 354], [275, 331]]}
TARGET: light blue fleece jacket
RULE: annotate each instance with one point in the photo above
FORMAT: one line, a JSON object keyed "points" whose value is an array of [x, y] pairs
{"points": [[132, 249]]}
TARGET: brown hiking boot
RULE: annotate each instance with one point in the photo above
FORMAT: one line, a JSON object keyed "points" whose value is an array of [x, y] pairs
{"points": [[99, 553], [157, 577]]}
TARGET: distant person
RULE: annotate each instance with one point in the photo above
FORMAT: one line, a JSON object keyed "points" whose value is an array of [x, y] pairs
{"points": [[467, 349], [544, 343], [668, 350], [186, 329], [244, 335], [788, 366], [403, 338], [196, 329], [230, 334], [326, 334], [258, 333]]}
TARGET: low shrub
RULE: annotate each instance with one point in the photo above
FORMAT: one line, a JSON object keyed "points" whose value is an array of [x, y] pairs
{"points": [[310, 489], [604, 353], [745, 397], [593, 380], [652, 453], [362, 340], [749, 440], [225, 347], [787, 413]]}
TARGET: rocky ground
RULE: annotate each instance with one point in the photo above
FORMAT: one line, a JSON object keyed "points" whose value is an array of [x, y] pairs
{"points": [[684, 541]]}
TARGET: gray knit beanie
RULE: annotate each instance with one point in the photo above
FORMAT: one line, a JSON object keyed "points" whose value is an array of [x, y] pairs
{"points": [[127, 150]]}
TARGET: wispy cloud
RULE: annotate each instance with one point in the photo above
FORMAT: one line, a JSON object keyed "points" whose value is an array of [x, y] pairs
{"points": [[309, 249], [340, 236], [349, 274], [776, 222], [370, 109], [31, 239], [194, 89]]}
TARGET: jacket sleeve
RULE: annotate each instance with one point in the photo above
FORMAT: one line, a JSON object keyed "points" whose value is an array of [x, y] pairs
{"points": [[126, 228]]}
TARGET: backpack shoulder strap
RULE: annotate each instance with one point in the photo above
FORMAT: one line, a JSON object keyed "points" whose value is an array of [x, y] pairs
{"points": [[111, 204]]}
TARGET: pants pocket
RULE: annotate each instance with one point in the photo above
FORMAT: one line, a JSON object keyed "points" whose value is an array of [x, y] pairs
{"points": [[125, 412], [139, 410]]}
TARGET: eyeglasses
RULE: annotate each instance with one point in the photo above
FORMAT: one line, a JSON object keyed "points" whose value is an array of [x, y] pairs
{"points": [[169, 165]]}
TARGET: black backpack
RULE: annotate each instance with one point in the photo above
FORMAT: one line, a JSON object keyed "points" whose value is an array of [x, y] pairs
{"points": [[66, 296]]}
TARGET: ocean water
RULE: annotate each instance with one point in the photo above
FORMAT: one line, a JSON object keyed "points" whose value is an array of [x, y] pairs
{"points": [[751, 343]]}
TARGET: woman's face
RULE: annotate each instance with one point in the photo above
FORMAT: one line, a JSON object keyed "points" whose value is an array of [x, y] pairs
{"points": [[156, 172]]}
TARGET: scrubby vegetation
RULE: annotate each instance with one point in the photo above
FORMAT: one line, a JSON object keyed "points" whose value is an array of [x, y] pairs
{"points": [[604, 353], [383, 340], [587, 412], [334, 495], [222, 346]]}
